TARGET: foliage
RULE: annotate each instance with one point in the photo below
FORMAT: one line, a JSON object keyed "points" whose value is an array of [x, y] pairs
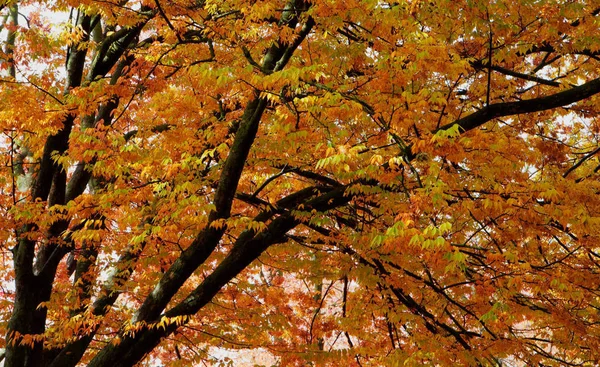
{"points": [[336, 182]]}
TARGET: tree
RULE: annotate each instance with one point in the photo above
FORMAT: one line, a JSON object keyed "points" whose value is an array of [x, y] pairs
{"points": [[338, 182]]}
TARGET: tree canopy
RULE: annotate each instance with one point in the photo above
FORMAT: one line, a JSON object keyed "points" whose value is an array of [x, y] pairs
{"points": [[357, 182]]}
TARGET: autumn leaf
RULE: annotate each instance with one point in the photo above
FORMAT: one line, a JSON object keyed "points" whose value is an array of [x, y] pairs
{"points": [[332, 183]]}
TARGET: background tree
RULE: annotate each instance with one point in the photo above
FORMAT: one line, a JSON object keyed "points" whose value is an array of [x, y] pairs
{"points": [[339, 182]]}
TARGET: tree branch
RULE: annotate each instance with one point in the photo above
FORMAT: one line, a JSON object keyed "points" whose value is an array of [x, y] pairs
{"points": [[496, 110]]}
